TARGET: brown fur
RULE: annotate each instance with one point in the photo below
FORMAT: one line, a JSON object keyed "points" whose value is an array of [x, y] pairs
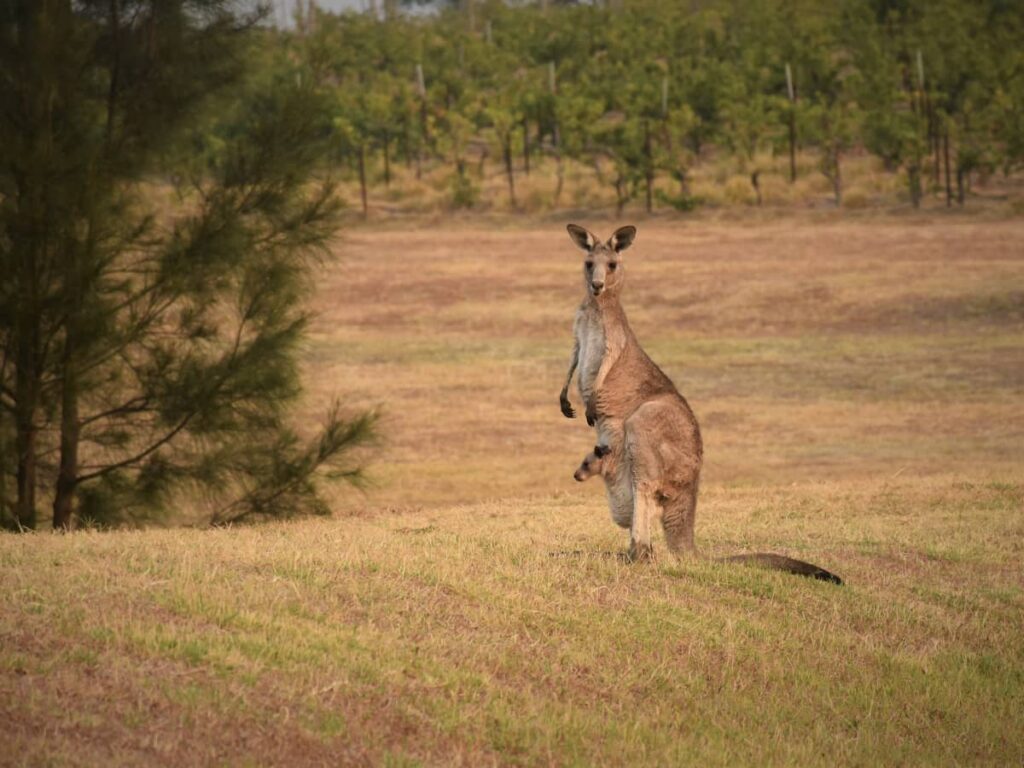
{"points": [[653, 469]]}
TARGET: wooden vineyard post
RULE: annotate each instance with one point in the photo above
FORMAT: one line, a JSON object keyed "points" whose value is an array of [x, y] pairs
{"points": [[791, 91]]}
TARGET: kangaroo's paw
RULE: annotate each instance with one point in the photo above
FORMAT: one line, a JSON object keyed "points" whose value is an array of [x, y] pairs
{"points": [[567, 410], [591, 416]]}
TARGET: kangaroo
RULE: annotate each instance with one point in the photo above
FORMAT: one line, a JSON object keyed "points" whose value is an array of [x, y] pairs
{"points": [[593, 464], [600, 463], [656, 451]]}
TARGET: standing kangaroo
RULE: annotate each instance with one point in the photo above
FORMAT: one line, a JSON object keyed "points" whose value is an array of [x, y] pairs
{"points": [[649, 436]]}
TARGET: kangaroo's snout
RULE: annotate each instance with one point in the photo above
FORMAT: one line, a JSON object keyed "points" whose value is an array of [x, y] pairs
{"points": [[597, 285], [591, 466]]}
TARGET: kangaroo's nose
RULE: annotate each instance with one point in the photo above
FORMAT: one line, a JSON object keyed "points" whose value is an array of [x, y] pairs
{"points": [[598, 285]]}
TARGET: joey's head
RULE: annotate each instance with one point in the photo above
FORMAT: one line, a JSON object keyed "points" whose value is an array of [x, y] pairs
{"points": [[602, 262], [593, 463]]}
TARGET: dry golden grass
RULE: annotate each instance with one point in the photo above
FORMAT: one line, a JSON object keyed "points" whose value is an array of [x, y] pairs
{"points": [[860, 383], [806, 349]]}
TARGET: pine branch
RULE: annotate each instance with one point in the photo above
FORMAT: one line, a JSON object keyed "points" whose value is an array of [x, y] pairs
{"points": [[291, 475], [169, 436], [106, 470], [137, 404]]}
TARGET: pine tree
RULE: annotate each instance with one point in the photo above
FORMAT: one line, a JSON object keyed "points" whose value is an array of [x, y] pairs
{"points": [[148, 336]]}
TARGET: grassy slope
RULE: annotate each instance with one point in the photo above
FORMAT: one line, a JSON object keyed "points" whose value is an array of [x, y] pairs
{"points": [[860, 387]]}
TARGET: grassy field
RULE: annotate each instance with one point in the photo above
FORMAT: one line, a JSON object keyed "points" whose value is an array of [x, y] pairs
{"points": [[860, 384]]}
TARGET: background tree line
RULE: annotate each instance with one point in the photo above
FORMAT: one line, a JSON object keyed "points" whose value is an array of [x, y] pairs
{"points": [[642, 89]]}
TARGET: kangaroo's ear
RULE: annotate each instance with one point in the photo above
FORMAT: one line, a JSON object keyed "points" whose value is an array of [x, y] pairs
{"points": [[583, 238], [622, 238], [601, 451]]}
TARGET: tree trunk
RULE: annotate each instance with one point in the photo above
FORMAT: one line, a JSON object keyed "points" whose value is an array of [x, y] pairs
{"points": [[362, 178], [559, 169], [682, 173], [963, 178], [936, 141], [914, 182], [696, 145], [407, 144], [424, 124], [791, 92], [949, 180], [837, 179], [25, 406], [559, 179], [914, 168], [755, 182], [481, 165], [33, 255], [115, 66], [67, 476], [508, 169], [792, 145], [4, 448], [526, 145], [387, 159], [648, 168]]}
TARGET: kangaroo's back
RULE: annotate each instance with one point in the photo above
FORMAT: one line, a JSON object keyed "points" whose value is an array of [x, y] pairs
{"points": [[633, 378]]}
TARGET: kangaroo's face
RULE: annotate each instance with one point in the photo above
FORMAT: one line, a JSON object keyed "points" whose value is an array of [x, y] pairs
{"points": [[602, 263], [593, 464]]}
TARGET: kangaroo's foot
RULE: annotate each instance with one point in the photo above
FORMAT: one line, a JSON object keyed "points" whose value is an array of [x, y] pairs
{"points": [[639, 553]]}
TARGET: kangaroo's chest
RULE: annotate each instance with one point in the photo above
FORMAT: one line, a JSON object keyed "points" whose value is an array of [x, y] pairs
{"points": [[590, 331]]}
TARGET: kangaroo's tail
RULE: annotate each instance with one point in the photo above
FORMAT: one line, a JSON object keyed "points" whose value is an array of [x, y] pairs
{"points": [[783, 563]]}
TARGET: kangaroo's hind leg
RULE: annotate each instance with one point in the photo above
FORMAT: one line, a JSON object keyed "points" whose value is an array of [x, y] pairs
{"points": [[664, 451], [645, 509], [618, 482], [620, 497], [678, 520], [643, 463]]}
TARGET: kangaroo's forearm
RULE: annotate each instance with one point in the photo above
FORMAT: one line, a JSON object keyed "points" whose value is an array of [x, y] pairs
{"points": [[592, 396], [563, 397], [612, 353]]}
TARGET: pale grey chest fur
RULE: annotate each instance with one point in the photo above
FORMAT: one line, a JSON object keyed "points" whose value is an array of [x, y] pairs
{"points": [[590, 334]]}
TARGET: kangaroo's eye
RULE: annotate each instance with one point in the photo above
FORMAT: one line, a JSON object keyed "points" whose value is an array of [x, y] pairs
{"points": [[590, 265], [586, 465], [612, 265]]}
